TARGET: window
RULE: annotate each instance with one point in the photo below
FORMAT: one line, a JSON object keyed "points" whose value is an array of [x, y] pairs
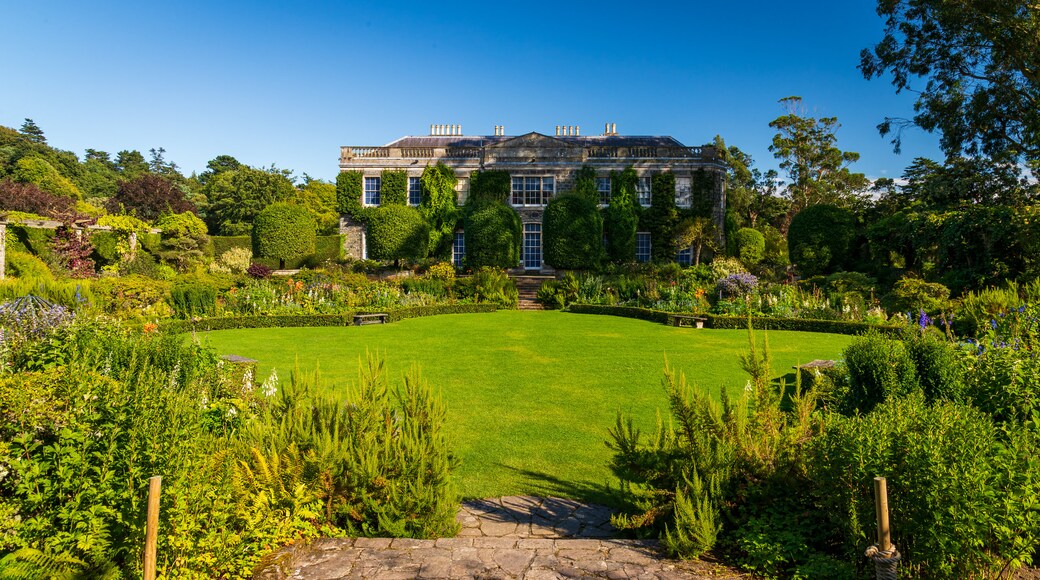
{"points": [[532, 251], [458, 249], [642, 246], [682, 192], [414, 191], [372, 185], [643, 191], [684, 257], [532, 190], [603, 187]]}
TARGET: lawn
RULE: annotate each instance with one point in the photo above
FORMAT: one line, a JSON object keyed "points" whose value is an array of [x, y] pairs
{"points": [[530, 395]]}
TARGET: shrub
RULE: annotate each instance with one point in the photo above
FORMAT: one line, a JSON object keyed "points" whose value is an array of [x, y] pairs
{"points": [[133, 297], [233, 261], [441, 271], [23, 265], [439, 207], [878, 368], [184, 237], [492, 235], [397, 232], [954, 487], [751, 246], [72, 252], [976, 309], [820, 239], [283, 231], [572, 230], [776, 252], [191, 299], [939, 365], [490, 285], [258, 271], [737, 285], [915, 295]]}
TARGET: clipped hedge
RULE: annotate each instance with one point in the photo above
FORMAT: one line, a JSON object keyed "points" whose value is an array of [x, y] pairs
{"points": [[397, 232], [622, 311], [737, 322], [220, 244], [313, 320], [22, 238], [284, 231]]}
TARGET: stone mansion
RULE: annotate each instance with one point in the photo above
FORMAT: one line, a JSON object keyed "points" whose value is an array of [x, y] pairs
{"points": [[540, 166]]}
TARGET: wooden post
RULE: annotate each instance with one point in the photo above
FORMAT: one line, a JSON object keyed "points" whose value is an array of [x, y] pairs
{"points": [[884, 537], [152, 527]]}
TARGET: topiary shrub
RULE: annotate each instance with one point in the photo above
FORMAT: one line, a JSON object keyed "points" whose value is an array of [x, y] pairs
{"points": [[915, 295], [393, 187], [572, 230], [283, 231], [184, 239], [751, 246], [397, 232], [492, 235], [820, 239]]}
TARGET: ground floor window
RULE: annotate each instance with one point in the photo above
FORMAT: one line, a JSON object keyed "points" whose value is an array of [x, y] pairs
{"points": [[372, 185], [684, 257], [642, 246], [414, 191], [458, 249]]}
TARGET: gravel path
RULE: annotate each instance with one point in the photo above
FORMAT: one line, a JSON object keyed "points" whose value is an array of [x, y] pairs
{"points": [[516, 537]]}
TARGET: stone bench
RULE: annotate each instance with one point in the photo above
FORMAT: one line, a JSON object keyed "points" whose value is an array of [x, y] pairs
{"points": [[686, 320], [379, 318]]}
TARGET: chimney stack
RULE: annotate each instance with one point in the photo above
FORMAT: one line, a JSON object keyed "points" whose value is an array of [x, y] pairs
{"points": [[577, 130], [613, 128]]}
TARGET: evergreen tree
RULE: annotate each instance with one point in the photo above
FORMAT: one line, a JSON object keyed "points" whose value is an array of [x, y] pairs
{"points": [[32, 132]]}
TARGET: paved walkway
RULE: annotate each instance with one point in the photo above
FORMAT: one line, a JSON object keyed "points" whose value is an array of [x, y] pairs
{"points": [[506, 538]]}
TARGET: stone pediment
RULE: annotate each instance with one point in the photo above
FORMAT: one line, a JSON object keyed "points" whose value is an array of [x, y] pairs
{"points": [[534, 146]]}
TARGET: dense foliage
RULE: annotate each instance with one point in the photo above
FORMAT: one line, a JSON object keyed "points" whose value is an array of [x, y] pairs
{"points": [[492, 232], [397, 232], [572, 233], [283, 231]]}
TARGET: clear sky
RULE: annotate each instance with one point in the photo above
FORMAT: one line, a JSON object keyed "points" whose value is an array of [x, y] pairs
{"points": [[288, 83]]}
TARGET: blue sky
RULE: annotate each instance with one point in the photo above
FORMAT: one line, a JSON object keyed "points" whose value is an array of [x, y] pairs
{"points": [[288, 83]]}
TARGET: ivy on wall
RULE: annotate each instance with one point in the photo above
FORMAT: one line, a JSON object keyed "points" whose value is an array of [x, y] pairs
{"points": [[661, 218], [492, 185], [573, 233], [622, 217], [349, 189], [585, 183], [702, 194], [393, 189], [439, 207]]}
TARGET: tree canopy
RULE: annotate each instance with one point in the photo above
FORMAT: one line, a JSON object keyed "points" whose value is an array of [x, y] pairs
{"points": [[975, 67]]}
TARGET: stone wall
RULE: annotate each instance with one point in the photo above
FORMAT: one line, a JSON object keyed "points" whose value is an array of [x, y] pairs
{"points": [[353, 233]]}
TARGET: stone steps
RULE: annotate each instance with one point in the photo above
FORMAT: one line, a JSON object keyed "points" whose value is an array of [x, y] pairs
{"points": [[527, 287]]}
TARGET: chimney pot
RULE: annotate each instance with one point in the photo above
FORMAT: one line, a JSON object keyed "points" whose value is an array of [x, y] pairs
{"points": [[613, 128], [577, 130], [431, 129]]}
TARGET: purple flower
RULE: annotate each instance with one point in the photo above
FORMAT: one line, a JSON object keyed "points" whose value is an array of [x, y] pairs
{"points": [[923, 321], [737, 285]]}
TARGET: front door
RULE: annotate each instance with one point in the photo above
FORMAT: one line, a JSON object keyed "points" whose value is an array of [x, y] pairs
{"points": [[532, 256]]}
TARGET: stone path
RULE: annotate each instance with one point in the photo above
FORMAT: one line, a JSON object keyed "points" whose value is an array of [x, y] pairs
{"points": [[525, 538]]}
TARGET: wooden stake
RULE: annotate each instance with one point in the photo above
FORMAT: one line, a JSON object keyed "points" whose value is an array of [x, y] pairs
{"points": [[152, 527], [884, 537]]}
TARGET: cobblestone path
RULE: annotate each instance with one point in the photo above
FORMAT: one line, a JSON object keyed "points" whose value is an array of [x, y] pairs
{"points": [[506, 538]]}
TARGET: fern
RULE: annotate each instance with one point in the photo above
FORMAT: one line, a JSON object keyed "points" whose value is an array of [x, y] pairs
{"points": [[33, 564]]}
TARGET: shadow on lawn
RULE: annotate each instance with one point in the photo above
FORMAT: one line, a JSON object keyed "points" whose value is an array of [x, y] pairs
{"points": [[548, 485]]}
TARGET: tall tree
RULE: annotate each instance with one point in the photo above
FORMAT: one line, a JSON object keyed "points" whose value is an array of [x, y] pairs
{"points": [[148, 196], [750, 194], [979, 64], [817, 171], [236, 197], [32, 132], [131, 163]]}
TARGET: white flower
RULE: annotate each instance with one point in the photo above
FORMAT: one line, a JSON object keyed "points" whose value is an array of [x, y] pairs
{"points": [[270, 386], [231, 412]]}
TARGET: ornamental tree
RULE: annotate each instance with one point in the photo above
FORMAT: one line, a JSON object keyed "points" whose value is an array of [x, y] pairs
{"points": [[184, 236], [397, 232], [148, 196], [237, 196], [820, 239], [283, 231]]}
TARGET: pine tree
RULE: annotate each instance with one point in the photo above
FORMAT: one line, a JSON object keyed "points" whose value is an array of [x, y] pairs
{"points": [[32, 132]]}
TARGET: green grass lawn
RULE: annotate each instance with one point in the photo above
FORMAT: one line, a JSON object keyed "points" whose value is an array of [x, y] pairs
{"points": [[530, 395]]}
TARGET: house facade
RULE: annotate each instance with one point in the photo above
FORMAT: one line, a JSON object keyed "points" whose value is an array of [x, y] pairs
{"points": [[540, 167]]}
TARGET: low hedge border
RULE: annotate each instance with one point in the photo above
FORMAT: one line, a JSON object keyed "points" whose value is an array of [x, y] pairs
{"points": [[303, 320], [737, 322]]}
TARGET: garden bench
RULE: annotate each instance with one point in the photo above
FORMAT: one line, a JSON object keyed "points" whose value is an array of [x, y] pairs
{"points": [[379, 318], [686, 320]]}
